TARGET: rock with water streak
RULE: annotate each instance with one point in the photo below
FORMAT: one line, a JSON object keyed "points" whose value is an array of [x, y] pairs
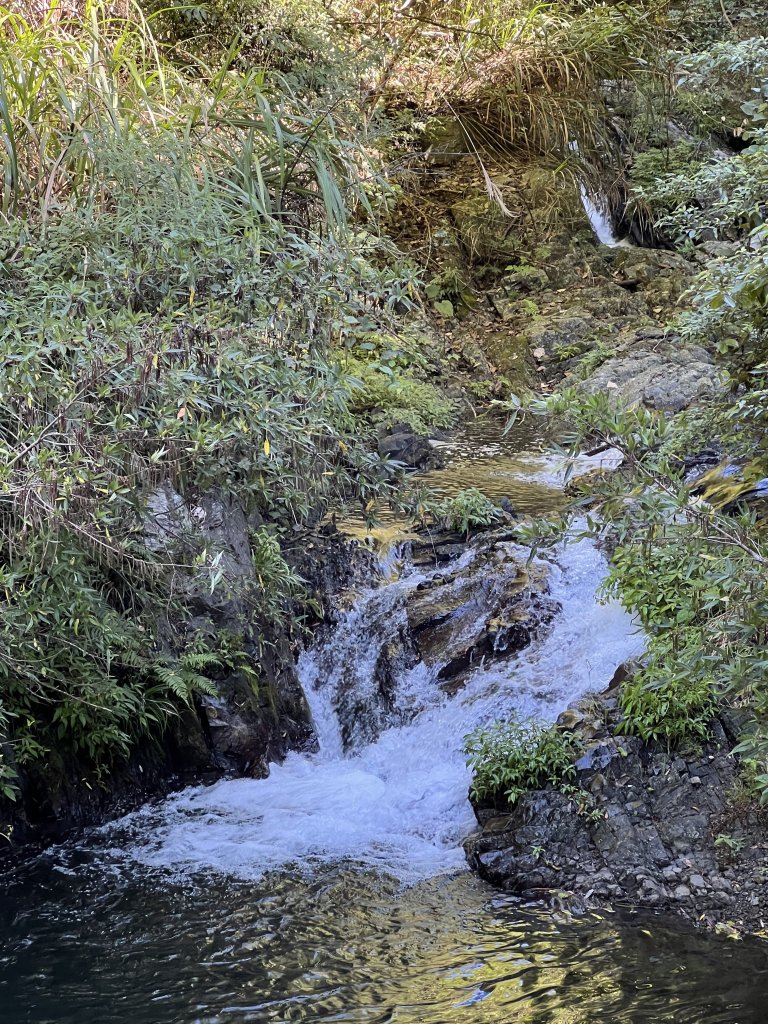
{"points": [[479, 613]]}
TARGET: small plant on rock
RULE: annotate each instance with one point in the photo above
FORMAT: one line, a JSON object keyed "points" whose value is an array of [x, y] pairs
{"points": [[509, 758], [674, 711], [469, 508], [731, 844]]}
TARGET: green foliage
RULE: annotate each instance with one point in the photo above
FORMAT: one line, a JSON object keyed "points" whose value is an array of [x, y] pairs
{"points": [[725, 200], [468, 509], [729, 843], [671, 711], [694, 576], [712, 83], [72, 94], [681, 160], [450, 288], [8, 787], [510, 758], [178, 267], [529, 78], [278, 583]]}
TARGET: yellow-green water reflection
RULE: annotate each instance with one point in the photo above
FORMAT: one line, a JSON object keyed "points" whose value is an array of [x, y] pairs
{"points": [[102, 944]]}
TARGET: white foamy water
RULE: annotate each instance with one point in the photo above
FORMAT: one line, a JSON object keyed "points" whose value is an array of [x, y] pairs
{"points": [[596, 209], [398, 803]]}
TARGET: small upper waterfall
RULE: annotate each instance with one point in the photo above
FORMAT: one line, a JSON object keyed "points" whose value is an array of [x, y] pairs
{"points": [[596, 209], [388, 787]]}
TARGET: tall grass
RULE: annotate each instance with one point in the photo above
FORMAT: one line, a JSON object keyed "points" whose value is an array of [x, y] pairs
{"points": [[540, 85], [521, 77], [71, 89]]}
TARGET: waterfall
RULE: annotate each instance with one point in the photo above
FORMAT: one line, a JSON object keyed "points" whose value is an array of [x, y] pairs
{"points": [[596, 209], [391, 797]]}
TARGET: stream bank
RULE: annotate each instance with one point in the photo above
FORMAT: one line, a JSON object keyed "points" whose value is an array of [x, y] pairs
{"points": [[665, 830]]}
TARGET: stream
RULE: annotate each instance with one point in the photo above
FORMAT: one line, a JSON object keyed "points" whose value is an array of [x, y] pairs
{"points": [[336, 889]]}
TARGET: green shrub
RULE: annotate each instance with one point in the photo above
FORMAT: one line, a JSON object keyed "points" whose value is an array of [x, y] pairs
{"points": [[509, 758], [177, 267], [469, 508], [693, 576], [667, 710]]}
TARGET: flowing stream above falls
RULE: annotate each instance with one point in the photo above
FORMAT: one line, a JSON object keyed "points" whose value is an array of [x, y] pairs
{"points": [[336, 889]]}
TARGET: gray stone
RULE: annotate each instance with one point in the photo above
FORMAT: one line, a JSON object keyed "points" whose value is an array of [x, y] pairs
{"points": [[406, 446], [575, 328], [668, 377]]}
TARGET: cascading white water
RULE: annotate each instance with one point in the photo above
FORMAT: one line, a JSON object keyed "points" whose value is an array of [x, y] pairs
{"points": [[599, 219], [597, 211], [397, 804]]}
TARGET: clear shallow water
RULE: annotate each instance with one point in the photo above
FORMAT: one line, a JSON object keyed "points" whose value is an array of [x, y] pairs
{"points": [[515, 465], [336, 889]]}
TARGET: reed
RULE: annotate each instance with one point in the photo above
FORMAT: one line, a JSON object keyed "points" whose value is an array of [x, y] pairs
{"points": [[73, 88]]}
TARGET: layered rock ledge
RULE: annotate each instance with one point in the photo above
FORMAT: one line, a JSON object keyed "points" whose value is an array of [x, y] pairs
{"points": [[659, 830]]}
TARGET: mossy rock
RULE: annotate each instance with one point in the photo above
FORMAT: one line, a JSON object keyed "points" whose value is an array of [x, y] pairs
{"points": [[444, 140], [510, 353], [573, 329]]}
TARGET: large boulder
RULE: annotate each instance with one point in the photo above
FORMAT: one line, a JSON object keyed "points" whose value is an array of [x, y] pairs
{"points": [[573, 330], [663, 275], [467, 604], [259, 711], [648, 368], [402, 444], [641, 825]]}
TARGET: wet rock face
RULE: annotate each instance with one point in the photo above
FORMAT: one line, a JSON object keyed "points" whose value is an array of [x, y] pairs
{"points": [[646, 833], [259, 712], [489, 611], [402, 444], [457, 605]]}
